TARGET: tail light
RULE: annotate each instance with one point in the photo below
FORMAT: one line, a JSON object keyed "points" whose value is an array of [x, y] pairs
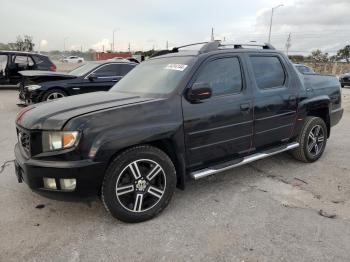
{"points": [[53, 68]]}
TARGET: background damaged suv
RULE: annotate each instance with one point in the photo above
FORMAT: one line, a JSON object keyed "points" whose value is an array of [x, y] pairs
{"points": [[186, 114]]}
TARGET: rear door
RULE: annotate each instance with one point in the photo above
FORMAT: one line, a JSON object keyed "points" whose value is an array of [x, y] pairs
{"points": [[3, 69], [220, 127], [19, 63], [275, 100]]}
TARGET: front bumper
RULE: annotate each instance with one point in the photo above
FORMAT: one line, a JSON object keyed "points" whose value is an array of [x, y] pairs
{"points": [[29, 97], [88, 175]]}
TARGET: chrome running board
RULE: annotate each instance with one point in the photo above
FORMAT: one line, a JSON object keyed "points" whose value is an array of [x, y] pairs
{"points": [[246, 160]]}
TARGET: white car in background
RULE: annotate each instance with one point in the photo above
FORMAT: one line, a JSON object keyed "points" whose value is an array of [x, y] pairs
{"points": [[73, 59]]}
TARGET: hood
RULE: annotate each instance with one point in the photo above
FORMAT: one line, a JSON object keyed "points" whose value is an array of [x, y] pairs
{"points": [[41, 76], [52, 115]]}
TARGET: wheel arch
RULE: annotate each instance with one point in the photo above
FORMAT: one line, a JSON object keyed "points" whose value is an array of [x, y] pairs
{"points": [[169, 148], [320, 107], [53, 88]]}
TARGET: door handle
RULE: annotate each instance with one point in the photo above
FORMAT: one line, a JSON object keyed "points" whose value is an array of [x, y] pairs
{"points": [[245, 108]]}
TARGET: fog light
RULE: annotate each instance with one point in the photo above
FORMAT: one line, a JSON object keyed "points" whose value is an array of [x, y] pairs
{"points": [[68, 184], [50, 183]]}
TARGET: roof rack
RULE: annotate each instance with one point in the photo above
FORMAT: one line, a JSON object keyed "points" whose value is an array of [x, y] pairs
{"points": [[216, 45], [249, 44]]}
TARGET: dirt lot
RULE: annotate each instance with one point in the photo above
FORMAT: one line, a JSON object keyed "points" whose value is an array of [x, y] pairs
{"points": [[265, 211]]}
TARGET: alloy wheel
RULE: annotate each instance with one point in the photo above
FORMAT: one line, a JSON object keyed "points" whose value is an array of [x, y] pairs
{"points": [[54, 95], [140, 185], [315, 140]]}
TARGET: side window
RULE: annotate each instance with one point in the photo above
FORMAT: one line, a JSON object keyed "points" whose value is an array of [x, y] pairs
{"points": [[108, 70], [268, 71], [23, 60], [223, 75], [124, 69], [37, 59]]}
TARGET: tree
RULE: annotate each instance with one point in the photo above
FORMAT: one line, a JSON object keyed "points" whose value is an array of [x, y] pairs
{"points": [[21, 44], [319, 56], [344, 53]]}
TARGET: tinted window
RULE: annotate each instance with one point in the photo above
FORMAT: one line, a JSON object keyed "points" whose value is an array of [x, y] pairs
{"points": [[223, 75], [124, 69], [38, 59], [108, 70], [268, 71]]}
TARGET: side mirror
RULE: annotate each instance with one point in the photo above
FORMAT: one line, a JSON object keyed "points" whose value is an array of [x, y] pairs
{"points": [[198, 92], [92, 77]]}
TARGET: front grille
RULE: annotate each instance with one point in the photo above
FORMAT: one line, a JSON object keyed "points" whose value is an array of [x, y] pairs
{"points": [[24, 140]]}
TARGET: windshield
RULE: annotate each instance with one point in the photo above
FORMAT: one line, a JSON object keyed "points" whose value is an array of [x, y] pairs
{"points": [[82, 70], [155, 77]]}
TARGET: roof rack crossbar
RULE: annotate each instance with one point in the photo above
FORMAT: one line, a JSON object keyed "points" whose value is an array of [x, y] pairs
{"points": [[253, 44], [176, 49]]}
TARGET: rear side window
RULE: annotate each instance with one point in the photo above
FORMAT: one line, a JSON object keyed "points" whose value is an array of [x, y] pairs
{"points": [[268, 71], [223, 75], [108, 70], [124, 69], [38, 59]]}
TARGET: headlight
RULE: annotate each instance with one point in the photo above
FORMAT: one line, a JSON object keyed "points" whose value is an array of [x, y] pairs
{"points": [[33, 87], [57, 140]]}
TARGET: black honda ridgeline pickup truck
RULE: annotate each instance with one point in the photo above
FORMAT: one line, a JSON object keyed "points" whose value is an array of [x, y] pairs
{"points": [[185, 114]]}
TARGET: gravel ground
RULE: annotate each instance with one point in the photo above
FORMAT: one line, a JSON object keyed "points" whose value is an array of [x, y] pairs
{"points": [[265, 211]]}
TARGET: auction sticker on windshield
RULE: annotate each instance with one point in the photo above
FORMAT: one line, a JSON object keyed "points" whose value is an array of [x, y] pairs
{"points": [[177, 67]]}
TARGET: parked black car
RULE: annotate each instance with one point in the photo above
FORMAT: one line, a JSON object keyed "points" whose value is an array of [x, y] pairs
{"points": [[177, 116], [345, 79], [11, 62], [38, 86], [304, 69]]}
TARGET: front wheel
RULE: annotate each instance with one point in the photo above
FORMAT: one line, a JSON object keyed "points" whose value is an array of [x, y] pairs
{"points": [[312, 140], [53, 94], [138, 184]]}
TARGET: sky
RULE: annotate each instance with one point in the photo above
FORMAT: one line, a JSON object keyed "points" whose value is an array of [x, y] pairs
{"points": [[83, 24]]}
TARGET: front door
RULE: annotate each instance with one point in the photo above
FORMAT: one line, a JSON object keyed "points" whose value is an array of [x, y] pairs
{"points": [[101, 79], [275, 100], [220, 127]]}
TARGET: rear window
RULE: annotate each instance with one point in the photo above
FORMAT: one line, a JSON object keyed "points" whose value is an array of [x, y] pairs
{"points": [[268, 71]]}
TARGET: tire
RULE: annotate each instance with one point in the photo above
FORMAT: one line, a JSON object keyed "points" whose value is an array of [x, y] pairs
{"points": [[309, 138], [138, 184], [53, 94]]}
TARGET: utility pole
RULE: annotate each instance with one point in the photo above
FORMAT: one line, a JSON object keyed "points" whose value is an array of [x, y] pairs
{"points": [[272, 11], [212, 34], [167, 45], [288, 43], [129, 48]]}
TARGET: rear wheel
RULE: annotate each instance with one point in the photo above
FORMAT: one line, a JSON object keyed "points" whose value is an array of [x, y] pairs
{"points": [[312, 140], [138, 184], [53, 94]]}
